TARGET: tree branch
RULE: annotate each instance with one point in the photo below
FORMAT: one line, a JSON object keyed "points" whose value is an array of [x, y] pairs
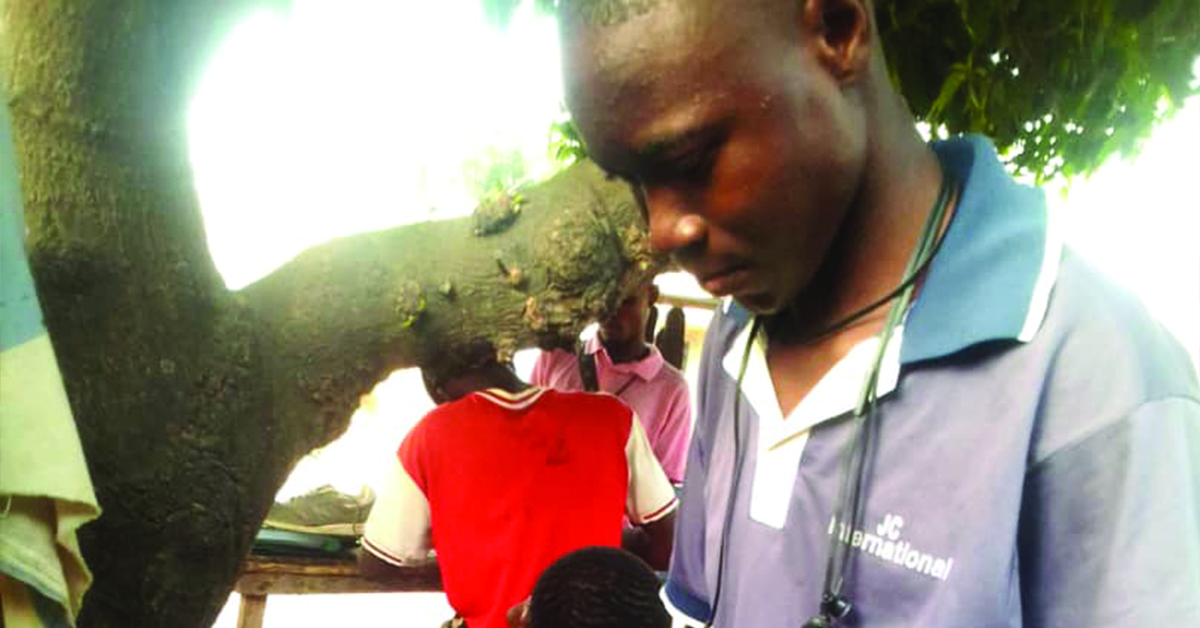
{"points": [[193, 403], [342, 315]]}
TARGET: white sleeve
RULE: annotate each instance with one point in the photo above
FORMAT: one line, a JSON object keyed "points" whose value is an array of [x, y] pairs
{"points": [[679, 619], [650, 495], [398, 529]]}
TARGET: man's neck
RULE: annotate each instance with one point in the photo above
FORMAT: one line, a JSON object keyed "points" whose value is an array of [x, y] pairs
{"points": [[873, 247], [502, 379], [627, 352]]}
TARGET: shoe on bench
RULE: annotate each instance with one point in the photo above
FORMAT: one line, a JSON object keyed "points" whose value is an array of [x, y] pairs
{"points": [[323, 510]]}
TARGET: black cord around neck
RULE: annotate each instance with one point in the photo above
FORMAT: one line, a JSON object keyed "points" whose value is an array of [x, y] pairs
{"points": [[910, 279], [833, 606]]}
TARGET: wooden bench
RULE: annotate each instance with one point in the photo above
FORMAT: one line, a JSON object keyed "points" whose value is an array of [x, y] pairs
{"points": [[264, 575]]}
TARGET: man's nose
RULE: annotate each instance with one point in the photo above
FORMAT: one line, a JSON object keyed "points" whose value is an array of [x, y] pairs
{"points": [[674, 226]]}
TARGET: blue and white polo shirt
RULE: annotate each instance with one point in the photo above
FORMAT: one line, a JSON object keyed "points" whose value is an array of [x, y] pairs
{"points": [[1037, 461]]}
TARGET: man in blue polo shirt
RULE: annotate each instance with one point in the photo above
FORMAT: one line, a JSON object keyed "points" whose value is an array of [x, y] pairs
{"points": [[1032, 436]]}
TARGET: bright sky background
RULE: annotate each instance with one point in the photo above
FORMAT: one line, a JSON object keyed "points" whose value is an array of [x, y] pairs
{"points": [[354, 115], [342, 117], [349, 116]]}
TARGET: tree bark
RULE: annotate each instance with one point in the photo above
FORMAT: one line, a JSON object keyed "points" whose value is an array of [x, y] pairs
{"points": [[342, 315], [193, 403]]}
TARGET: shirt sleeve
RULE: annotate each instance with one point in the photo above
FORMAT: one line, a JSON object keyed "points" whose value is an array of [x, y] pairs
{"points": [[650, 496], [541, 370], [556, 369], [1110, 530], [398, 530], [685, 592], [671, 443]]}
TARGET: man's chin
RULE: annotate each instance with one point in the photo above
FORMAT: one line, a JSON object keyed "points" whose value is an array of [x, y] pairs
{"points": [[760, 303]]}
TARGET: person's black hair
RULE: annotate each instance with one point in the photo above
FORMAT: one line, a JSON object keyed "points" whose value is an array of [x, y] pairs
{"points": [[598, 587], [605, 12]]}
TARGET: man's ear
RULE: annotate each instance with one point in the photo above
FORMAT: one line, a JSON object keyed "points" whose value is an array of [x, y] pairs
{"points": [[840, 34], [518, 615]]}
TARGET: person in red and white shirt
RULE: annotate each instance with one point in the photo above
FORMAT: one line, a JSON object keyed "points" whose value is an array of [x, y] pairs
{"points": [[502, 479]]}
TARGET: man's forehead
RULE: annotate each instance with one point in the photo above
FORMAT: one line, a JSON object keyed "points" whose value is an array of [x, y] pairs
{"points": [[625, 49], [650, 84], [627, 61], [662, 38]]}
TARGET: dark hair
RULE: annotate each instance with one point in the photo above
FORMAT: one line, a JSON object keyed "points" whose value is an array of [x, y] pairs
{"points": [[597, 587], [604, 12], [475, 356]]}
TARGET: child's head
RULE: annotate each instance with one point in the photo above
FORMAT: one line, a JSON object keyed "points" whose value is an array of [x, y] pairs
{"points": [[597, 587], [626, 326], [450, 380]]}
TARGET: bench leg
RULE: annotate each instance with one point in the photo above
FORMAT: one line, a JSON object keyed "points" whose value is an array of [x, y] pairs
{"points": [[251, 611]]}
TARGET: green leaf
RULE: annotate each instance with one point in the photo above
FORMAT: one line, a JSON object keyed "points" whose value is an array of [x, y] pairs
{"points": [[958, 73], [995, 66]]}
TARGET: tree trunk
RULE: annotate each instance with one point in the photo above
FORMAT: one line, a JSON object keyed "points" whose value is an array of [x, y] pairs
{"points": [[192, 402]]}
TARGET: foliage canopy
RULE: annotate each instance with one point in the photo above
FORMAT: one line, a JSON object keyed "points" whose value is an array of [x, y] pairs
{"points": [[1060, 86]]}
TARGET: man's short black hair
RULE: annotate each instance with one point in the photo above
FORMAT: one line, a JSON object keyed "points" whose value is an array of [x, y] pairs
{"points": [[598, 587], [605, 12]]}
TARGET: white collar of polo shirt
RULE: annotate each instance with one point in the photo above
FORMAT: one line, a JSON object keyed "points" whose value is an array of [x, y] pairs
{"points": [[781, 439]]}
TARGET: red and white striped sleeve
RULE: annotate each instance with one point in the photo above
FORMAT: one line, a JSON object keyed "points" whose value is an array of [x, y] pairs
{"points": [[651, 496], [398, 529]]}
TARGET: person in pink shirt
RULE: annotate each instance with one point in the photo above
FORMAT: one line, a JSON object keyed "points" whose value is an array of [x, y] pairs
{"points": [[633, 370]]}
